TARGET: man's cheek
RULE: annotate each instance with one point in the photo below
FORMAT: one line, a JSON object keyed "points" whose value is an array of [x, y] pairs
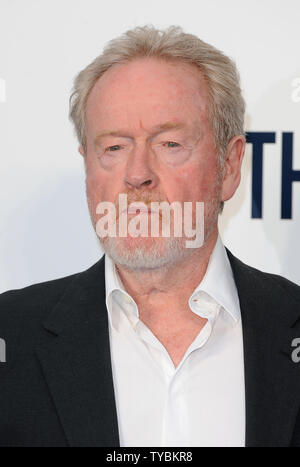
{"points": [[94, 184]]}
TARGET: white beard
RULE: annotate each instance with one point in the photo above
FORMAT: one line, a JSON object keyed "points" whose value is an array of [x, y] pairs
{"points": [[162, 251], [143, 257]]}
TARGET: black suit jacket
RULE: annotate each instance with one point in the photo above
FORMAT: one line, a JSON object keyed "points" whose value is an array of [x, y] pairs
{"points": [[56, 387]]}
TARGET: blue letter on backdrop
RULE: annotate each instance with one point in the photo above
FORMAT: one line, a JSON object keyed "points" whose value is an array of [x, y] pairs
{"points": [[258, 139], [288, 176]]}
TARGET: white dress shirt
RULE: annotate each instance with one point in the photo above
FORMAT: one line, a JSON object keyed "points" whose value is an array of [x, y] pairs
{"points": [[201, 402]]}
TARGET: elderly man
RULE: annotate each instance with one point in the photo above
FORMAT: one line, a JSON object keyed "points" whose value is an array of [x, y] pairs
{"points": [[157, 344]]}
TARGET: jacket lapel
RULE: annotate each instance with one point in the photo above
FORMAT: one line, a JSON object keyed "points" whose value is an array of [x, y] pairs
{"points": [[270, 319], [75, 356]]}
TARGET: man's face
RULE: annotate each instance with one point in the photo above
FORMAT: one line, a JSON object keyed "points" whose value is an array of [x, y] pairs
{"points": [[148, 135]]}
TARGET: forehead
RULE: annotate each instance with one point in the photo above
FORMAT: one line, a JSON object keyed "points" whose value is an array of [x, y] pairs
{"points": [[148, 90]]}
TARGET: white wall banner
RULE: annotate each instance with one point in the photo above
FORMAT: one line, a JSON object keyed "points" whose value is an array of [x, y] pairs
{"points": [[44, 222]]}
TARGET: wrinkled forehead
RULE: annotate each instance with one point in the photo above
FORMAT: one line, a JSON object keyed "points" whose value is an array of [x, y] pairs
{"points": [[147, 90]]}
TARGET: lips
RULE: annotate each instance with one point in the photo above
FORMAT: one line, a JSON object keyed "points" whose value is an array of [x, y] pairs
{"points": [[136, 208]]}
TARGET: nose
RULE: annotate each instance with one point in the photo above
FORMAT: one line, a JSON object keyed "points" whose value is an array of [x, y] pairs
{"points": [[139, 174]]}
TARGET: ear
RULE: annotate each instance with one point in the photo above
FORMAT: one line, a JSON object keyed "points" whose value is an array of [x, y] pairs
{"points": [[232, 166], [80, 150]]}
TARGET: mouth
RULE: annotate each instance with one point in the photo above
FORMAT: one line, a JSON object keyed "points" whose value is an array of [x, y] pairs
{"points": [[138, 209]]}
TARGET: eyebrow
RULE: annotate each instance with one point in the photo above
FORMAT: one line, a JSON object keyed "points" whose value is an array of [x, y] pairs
{"points": [[156, 130]]}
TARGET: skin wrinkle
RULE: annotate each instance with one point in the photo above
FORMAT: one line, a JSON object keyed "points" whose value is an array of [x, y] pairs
{"points": [[136, 97]]}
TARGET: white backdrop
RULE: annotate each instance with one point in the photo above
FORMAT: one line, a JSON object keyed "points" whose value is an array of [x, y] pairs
{"points": [[45, 231]]}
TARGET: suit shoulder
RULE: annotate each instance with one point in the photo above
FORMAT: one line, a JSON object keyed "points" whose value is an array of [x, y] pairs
{"points": [[23, 311], [31, 300], [260, 280], [287, 285], [276, 280], [35, 301]]}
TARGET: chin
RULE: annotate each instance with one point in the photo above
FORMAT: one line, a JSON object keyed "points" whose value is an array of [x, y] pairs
{"points": [[145, 253]]}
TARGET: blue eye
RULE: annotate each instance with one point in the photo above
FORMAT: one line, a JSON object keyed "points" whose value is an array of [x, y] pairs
{"points": [[113, 148], [172, 144]]}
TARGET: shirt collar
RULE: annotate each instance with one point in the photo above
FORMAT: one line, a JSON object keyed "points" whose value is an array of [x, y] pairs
{"points": [[218, 282], [217, 285], [114, 289]]}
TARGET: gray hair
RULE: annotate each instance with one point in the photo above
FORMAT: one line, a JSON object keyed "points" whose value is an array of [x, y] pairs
{"points": [[226, 103]]}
